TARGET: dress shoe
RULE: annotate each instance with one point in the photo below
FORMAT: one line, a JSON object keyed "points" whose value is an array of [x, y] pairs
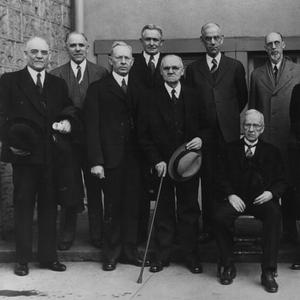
{"points": [[194, 266], [205, 237], [158, 265], [295, 266], [268, 282], [228, 274], [135, 261], [21, 269], [64, 245], [54, 266], [109, 265], [97, 243]]}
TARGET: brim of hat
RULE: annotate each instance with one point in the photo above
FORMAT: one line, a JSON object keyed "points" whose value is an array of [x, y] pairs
{"points": [[187, 173]]}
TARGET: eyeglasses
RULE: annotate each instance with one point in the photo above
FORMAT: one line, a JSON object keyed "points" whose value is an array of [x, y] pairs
{"points": [[168, 68], [275, 43], [36, 51], [216, 38], [254, 126]]}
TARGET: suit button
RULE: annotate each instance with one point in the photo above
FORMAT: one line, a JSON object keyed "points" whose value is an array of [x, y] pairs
{"points": [[122, 124]]}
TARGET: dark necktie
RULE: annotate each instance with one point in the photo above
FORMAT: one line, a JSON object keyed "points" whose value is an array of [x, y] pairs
{"points": [[214, 66], [124, 86], [174, 98], [249, 153], [151, 64], [275, 72], [78, 75], [39, 83]]}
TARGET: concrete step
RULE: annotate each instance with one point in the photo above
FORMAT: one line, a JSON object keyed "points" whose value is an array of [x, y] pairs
{"points": [[82, 250]]}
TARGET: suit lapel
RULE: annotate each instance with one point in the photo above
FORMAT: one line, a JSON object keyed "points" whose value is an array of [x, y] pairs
{"points": [[222, 69], [285, 75], [204, 70], [30, 90], [164, 104], [116, 89], [266, 77]]}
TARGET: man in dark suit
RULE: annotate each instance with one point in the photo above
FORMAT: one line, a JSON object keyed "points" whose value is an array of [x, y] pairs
{"points": [[221, 82], [174, 115], [113, 155], [146, 72], [146, 67], [250, 180], [271, 87], [36, 96], [79, 73]]}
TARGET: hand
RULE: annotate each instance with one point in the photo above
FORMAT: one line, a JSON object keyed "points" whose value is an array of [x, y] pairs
{"points": [[262, 198], [63, 126], [19, 152], [161, 169], [237, 203], [98, 171], [195, 143]]}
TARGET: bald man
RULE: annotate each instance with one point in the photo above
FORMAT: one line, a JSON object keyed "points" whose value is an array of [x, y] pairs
{"points": [[270, 92], [31, 103]]}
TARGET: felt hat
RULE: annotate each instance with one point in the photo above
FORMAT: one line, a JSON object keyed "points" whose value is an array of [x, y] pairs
{"points": [[184, 164]]}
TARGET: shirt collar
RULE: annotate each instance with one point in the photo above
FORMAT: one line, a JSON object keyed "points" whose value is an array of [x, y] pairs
{"points": [[251, 144], [82, 66], [119, 78], [177, 89], [209, 59], [155, 58], [277, 65], [33, 73]]}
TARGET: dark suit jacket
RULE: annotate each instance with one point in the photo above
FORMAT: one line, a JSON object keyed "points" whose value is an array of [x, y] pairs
{"points": [[225, 97], [155, 126], [19, 98], [141, 73], [248, 178], [110, 118], [94, 72]]}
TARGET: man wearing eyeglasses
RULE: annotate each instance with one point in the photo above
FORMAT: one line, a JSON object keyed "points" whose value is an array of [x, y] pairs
{"points": [[113, 155], [270, 92], [222, 85], [174, 115], [250, 179], [79, 73], [38, 100]]}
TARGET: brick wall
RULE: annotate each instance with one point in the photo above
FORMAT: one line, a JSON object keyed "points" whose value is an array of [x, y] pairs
{"points": [[20, 20]]}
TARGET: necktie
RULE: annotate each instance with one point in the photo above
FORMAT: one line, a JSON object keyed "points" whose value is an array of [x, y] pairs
{"points": [[78, 75], [124, 86], [151, 64], [275, 72], [249, 153], [214, 66], [174, 98], [39, 83]]}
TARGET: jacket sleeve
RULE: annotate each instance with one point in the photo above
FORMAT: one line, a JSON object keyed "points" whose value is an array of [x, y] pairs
{"points": [[145, 135], [252, 92], [4, 96], [295, 111], [240, 82], [92, 126]]}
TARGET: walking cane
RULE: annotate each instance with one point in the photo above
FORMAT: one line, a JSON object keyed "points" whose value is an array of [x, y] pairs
{"points": [[140, 279]]}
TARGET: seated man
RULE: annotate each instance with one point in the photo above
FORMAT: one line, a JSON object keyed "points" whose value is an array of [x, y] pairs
{"points": [[250, 180]]}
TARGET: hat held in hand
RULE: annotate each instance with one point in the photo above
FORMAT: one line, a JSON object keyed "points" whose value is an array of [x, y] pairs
{"points": [[184, 164]]}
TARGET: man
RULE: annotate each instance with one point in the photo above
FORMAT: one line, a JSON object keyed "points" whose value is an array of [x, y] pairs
{"points": [[250, 180], [79, 73], [38, 98], [174, 115], [113, 155], [221, 82], [146, 72], [270, 92], [146, 67]]}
